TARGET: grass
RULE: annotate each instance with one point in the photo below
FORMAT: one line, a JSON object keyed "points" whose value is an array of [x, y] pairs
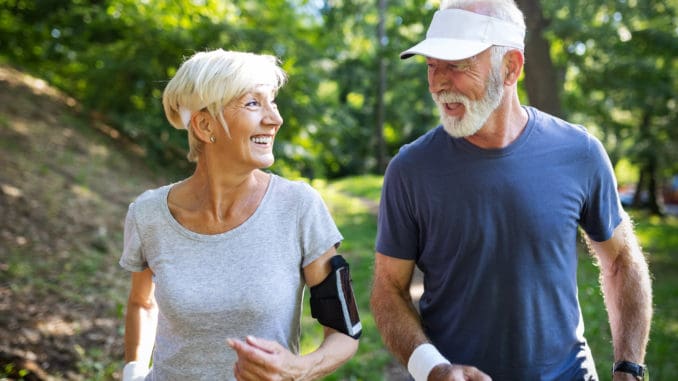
{"points": [[350, 201]]}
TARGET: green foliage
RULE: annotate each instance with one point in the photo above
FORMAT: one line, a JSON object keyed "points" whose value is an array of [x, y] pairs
{"points": [[115, 57], [617, 58], [621, 65]]}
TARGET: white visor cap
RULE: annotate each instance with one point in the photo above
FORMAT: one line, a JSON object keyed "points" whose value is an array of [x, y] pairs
{"points": [[456, 34]]}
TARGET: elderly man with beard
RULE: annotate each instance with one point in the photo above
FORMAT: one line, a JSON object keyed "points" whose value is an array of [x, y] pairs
{"points": [[488, 206]]}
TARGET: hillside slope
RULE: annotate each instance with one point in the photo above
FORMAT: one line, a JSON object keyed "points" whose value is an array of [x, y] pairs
{"points": [[65, 183]]}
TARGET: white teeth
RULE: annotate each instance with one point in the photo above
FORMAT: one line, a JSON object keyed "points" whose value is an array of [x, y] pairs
{"points": [[262, 139]]}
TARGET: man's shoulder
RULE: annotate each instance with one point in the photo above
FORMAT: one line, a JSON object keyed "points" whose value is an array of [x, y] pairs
{"points": [[422, 146], [559, 133], [554, 124]]}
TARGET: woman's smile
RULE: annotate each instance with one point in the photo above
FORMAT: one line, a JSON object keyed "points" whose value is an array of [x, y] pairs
{"points": [[262, 140]]}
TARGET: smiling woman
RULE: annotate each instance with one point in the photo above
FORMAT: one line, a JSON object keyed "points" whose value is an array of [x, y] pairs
{"points": [[209, 81], [216, 292]]}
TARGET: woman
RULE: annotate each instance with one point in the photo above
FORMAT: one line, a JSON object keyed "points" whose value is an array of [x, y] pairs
{"points": [[219, 260]]}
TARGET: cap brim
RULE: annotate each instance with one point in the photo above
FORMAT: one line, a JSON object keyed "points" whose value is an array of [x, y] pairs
{"points": [[448, 49]]}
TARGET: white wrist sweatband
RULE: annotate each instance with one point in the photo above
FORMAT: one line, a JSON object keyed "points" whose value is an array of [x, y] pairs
{"points": [[424, 358], [134, 371]]}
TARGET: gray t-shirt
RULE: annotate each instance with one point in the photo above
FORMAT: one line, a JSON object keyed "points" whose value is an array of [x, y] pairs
{"points": [[247, 281]]}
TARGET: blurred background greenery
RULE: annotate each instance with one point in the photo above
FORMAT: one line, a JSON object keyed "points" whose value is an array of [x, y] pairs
{"points": [[351, 103], [609, 65]]}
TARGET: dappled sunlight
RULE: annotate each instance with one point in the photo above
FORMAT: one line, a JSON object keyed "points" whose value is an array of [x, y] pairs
{"points": [[98, 150], [658, 234], [37, 86], [20, 127], [10, 190], [342, 206], [83, 192], [672, 328], [56, 326]]}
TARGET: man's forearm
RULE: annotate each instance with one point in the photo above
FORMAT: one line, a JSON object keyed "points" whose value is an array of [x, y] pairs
{"points": [[628, 297], [398, 322]]}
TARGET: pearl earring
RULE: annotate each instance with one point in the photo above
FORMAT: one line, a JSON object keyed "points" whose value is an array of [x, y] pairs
{"points": [[213, 139]]}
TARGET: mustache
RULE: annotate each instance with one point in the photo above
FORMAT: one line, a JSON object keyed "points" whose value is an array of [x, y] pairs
{"points": [[450, 97]]}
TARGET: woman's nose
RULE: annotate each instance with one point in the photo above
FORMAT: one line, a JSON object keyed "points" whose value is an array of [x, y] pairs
{"points": [[273, 116]]}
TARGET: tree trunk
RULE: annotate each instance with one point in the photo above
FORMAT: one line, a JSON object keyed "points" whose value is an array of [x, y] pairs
{"points": [[656, 198], [541, 79], [637, 196], [649, 185], [381, 108], [647, 181]]}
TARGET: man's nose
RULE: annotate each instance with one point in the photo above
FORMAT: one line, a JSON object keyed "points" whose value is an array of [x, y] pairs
{"points": [[438, 80]]}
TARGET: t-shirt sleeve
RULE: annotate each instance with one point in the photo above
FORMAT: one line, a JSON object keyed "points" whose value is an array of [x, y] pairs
{"points": [[602, 211], [397, 230], [318, 230], [132, 258]]}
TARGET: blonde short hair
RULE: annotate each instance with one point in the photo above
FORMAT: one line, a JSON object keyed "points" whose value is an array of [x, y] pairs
{"points": [[212, 79]]}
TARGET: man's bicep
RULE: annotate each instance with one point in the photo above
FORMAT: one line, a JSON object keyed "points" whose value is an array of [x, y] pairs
{"points": [[622, 243], [392, 273]]}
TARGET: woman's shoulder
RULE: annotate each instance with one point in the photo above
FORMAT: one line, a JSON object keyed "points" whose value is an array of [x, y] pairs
{"points": [[152, 194], [294, 186], [150, 197], [294, 191]]}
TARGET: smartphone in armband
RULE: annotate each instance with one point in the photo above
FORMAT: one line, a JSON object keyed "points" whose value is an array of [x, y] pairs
{"points": [[346, 296]]}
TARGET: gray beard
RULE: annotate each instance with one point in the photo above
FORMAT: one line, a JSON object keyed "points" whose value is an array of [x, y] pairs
{"points": [[477, 112]]}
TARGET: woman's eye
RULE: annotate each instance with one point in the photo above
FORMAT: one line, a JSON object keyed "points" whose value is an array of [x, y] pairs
{"points": [[252, 103]]}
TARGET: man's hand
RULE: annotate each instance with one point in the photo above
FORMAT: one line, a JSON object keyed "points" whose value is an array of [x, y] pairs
{"points": [[260, 359], [454, 372]]}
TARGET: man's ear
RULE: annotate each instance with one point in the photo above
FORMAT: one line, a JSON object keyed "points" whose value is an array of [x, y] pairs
{"points": [[513, 66], [202, 125]]}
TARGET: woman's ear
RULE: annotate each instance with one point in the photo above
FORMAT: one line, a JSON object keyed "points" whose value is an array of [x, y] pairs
{"points": [[202, 125], [513, 66]]}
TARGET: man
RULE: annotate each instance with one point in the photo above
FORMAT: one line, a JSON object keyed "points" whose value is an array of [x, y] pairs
{"points": [[488, 206]]}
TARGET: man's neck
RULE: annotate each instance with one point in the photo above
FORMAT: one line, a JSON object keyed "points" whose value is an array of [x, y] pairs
{"points": [[502, 127]]}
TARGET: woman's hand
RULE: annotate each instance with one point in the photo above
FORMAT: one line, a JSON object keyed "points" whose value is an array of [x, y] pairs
{"points": [[260, 359]]}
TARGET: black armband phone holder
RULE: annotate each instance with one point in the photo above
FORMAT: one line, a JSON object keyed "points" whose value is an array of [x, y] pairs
{"points": [[333, 302]]}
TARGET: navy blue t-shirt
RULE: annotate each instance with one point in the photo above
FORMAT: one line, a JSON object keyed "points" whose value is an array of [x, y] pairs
{"points": [[495, 234]]}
